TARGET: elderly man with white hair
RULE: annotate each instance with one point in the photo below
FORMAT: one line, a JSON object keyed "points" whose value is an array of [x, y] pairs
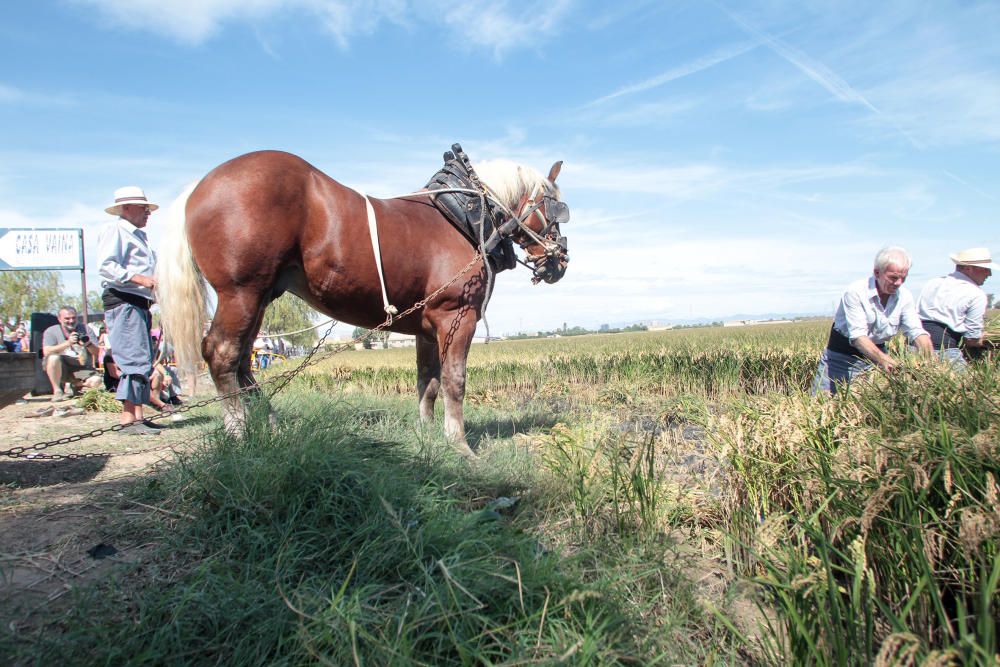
{"points": [[952, 308], [871, 311]]}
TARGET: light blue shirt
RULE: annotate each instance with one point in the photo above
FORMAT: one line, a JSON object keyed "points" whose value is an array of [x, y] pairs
{"points": [[956, 302], [124, 251], [861, 313]]}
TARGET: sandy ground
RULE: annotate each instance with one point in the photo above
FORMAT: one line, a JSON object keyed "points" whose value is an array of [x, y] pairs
{"points": [[53, 513]]}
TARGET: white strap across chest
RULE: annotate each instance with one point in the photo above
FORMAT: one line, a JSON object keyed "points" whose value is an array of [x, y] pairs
{"points": [[373, 231]]}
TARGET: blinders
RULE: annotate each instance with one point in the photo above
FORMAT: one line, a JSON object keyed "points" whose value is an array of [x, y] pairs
{"points": [[556, 211]]}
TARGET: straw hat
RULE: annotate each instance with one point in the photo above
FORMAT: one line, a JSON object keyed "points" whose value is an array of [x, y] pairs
{"points": [[130, 194], [975, 257]]}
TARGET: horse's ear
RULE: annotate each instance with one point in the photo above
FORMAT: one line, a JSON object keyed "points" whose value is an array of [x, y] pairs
{"points": [[554, 171]]}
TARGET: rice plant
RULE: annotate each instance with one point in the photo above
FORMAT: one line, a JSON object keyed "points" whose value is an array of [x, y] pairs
{"points": [[871, 519]]}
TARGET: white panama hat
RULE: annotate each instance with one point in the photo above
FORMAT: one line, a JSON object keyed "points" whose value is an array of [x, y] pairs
{"points": [[975, 257], [130, 194]]}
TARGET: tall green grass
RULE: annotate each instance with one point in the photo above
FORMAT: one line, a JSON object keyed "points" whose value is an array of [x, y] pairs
{"points": [[318, 544], [871, 520]]}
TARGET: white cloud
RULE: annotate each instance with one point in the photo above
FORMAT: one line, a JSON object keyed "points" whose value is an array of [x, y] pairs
{"points": [[498, 26], [196, 21], [189, 21]]}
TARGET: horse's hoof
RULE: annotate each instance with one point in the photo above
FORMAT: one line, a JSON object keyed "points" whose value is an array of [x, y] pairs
{"points": [[466, 452]]}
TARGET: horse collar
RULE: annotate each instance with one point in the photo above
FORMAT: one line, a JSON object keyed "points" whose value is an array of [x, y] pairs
{"points": [[476, 216]]}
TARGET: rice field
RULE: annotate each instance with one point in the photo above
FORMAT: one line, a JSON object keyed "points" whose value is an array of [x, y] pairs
{"points": [[665, 498], [707, 361], [815, 492]]}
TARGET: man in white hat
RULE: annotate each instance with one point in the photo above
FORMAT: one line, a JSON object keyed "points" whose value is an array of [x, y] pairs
{"points": [[952, 308], [871, 311], [127, 271]]}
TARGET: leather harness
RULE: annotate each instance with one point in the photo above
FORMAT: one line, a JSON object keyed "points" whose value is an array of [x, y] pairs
{"points": [[486, 230]]}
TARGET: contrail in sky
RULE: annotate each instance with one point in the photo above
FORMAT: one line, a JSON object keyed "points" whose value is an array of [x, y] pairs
{"points": [[698, 65], [816, 71]]}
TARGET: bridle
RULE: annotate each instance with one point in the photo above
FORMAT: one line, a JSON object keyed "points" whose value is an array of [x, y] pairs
{"points": [[552, 260]]}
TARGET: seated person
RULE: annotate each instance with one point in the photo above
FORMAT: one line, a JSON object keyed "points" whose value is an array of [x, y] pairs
{"points": [[111, 372], [163, 383], [22, 342], [69, 355]]}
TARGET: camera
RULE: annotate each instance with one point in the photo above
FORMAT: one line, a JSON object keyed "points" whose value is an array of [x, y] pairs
{"points": [[84, 339]]}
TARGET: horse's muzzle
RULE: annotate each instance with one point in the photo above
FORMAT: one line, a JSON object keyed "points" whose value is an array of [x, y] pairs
{"points": [[552, 267]]}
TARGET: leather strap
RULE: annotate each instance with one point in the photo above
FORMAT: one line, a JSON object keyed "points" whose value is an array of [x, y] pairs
{"points": [[373, 231], [838, 342], [942, 336]]}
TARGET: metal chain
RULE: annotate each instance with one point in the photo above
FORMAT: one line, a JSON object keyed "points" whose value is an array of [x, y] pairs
{"points": [[95, 455], [281, 380]]}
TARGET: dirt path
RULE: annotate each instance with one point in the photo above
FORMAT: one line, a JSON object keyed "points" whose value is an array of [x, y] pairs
{"points": [[53, 513]]}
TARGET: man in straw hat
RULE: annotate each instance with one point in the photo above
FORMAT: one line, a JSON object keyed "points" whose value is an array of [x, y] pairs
{"points": [[871, 311], [952, 308], [128, 277]]}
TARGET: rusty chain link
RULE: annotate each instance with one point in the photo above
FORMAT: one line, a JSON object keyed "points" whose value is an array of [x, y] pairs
{"points": [[281, 380]]}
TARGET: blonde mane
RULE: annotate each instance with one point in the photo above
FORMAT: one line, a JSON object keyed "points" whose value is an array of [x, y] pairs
{"points": [[510, 181]]}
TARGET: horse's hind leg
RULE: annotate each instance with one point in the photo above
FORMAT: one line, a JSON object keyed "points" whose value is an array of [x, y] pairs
{"points": [[227, 347], [428, 375], [254, 393]]}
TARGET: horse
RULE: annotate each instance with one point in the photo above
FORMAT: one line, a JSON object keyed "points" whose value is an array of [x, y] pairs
{"points": [[268, 222]]}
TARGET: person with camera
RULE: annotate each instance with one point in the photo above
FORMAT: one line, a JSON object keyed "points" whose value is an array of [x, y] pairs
{"points": [[69, 354]]}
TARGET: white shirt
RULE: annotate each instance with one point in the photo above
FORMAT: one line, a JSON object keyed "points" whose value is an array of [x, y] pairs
{"points": [[861, 313], [124, 252], [955, 301]]}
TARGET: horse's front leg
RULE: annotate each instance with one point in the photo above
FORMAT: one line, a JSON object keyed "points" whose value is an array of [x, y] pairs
{"points": [[428, 376], [453, 345]]}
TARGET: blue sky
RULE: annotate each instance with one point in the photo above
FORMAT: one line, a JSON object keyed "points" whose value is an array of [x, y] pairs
{"points": [[721, 158]]}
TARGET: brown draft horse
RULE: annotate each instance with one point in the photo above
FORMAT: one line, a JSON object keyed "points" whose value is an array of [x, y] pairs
{"points": [[269, 222]]}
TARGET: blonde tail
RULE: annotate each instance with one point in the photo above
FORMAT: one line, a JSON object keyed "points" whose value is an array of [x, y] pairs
{"points": [[181, 290]]}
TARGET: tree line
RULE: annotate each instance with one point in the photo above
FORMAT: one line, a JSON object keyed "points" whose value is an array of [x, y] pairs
{"points": [[25, 292]]}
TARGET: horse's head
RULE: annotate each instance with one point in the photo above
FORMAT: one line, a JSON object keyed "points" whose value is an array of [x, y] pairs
{"points": [[539, 215]]}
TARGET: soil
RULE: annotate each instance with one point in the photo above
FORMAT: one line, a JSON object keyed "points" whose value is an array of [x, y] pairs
{"points": [[53, 513]]}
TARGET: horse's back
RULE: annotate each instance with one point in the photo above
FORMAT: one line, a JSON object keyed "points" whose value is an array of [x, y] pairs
{"points": [[247, 216], [264, 173]]}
